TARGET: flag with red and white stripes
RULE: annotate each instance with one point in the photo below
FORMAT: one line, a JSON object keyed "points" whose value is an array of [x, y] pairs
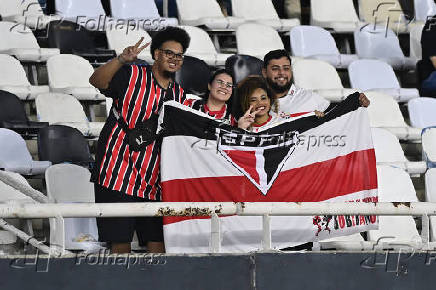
{"points": [[301, 159]]}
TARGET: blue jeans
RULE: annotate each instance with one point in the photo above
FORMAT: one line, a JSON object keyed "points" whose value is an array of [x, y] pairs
{"points": [[428, 86]]}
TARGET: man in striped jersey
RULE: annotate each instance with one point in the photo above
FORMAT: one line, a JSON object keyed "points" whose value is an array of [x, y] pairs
{"points": [[121, 174]]}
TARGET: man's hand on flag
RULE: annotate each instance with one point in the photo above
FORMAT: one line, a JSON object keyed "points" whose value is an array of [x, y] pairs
{"points": [[363, 100]]}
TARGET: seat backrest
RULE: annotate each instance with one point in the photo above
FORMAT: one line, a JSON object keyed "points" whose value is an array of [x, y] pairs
{"points": [[69, 183], [193, 76], [422, 112], [130, 9], [11, 108], [200, 41], [380, 10], [16, 36], [12, 72], [429, 146], [423, 9], [55, 108], [333, 10], [430, 185], [8, 193], [377, 42], [384, 111], [387, 146], [401, 190], [9, 8], [415, 41], [312, 40], [315, 74], [68, 36], [242, 65], [194, 9], [119, 39], [59, 144], [75, 8], [257, 39], [254, 9], [367, 74], [13, 149], [67, 70]]}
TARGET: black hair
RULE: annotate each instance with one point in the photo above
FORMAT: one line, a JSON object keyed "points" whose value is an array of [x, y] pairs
{"points": [[275, 54], [170, 33]]}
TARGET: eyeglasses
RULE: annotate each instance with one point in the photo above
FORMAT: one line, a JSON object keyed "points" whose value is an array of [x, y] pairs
{"points": [[171, 54], [224, 84]]}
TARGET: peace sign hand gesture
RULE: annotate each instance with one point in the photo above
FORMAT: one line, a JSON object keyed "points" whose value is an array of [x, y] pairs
{"points": [[245, 121], [131, 53]]}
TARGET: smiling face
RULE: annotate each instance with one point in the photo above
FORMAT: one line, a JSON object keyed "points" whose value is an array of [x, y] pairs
{"points": [[260, 101], [221, 87], [278, 74], [168, 56]]}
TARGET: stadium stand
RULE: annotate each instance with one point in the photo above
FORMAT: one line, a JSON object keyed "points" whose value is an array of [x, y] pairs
{"points": [[395, 229], [87, 13], [15, 157], [424, 9], [388, 151], [265, 40], [371, 74], [143, 11], [74, 80], [71, 38], [28, 12], [317, 43], [338, 15], [381, 43], [69, 183], [20, 42], [262, 12], [242, 65], [63, 109], [118, 39], [13, 79], [429, 146], [193, 76], [422, 112], [430, 196], [13, 116], [320, 77], [205, 13], [201, 47], [415, 41], [384, 112]]}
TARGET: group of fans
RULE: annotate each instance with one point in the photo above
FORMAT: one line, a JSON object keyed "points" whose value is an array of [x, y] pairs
{"points": [[124, 173]]}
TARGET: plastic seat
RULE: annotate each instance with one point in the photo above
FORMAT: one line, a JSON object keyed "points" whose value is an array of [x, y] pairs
{"points": [[388, 151], [201, 47], [338, 15], [378, 43], [141, 10], [350, 242], [317, 43], [62, 109], [27, 12], [424, 9], [242, 65], [193, 76], [87, 13], [415, 41], [118, 40], [320, 77], [69, 183], [262, 12], [13, 79], [429, 146], [20, 42], [205, 13], [401, 228], [13, 116], [15, 157], [74, 80], [266, 39], [385, 113], [384, 13], [430, 196], [72, 38], [422, 112], [376, 75]]}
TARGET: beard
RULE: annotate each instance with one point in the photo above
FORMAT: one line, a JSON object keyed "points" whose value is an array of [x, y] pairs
{"points": [[278, 89]]}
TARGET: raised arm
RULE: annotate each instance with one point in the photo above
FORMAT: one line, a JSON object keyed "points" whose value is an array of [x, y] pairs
{"points": [[104, 74]]}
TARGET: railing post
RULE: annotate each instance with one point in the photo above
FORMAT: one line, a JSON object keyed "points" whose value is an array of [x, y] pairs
{"points": [[215, 234], [266, 239], [425, 232]]}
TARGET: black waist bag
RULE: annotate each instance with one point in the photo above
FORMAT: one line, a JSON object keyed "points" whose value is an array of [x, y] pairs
{"points": [[142, 135]]}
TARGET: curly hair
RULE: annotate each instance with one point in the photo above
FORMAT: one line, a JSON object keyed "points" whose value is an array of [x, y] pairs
{"points": [[170, 33]]}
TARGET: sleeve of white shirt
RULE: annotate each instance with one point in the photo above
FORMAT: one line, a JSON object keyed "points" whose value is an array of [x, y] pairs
{"points": [[322, 104]]}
